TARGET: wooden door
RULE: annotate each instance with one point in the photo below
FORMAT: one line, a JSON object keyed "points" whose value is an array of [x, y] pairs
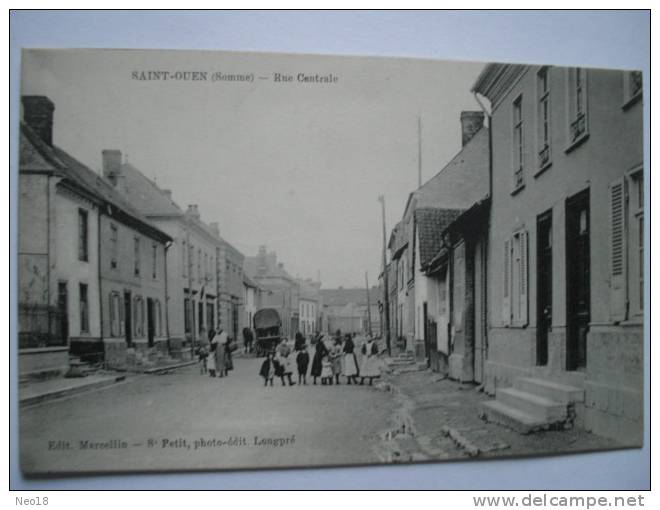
{"points": [[544, 285], [128, 324], [578, 277]]}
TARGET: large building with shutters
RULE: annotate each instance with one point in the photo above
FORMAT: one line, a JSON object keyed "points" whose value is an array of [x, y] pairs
{"points": [[566, 244]]}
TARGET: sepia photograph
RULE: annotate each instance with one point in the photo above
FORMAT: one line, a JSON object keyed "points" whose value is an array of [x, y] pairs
{"points": [[244, 260]]}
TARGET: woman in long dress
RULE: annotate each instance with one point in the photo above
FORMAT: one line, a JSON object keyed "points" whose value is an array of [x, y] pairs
{"points": [[319, 353], [336, 355], [370, 368], [351, 369], [221, 353]]}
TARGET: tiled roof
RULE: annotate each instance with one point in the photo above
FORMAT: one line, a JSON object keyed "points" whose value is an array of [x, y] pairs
{"points": [[150, 198], [84, 177], [154, 201], [341, 297], [431, 223], [461, 182], [30, 158]]}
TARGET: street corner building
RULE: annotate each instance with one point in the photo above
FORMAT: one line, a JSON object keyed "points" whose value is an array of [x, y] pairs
{"points": [[520, 265], [92, 281]]}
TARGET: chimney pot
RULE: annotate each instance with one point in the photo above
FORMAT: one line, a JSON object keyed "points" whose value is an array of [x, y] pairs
{"points": [[38, 115], [215, 227], [471, 123], [111, 165], [193, 211]]}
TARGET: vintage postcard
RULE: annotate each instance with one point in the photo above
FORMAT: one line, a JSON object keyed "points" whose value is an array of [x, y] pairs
{"points": [[248, 261]]}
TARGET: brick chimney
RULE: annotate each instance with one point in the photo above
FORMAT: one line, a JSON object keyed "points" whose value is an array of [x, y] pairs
{"points": [[112, 165], [193, 211], [38, 115], [168, 193], [471, 123]]}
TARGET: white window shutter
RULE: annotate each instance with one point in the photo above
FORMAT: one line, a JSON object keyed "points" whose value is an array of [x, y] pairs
{"points": [[618, 294], [506, 295], [524, 281]]}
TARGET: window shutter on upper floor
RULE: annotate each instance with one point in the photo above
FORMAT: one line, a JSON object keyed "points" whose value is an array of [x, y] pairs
{"points": [[506, 294], [618, 294], [524, 278]]}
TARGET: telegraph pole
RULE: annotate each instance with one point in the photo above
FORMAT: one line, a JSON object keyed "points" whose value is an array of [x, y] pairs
{"points": [[386, 288], [366, 281], [419, 152]]}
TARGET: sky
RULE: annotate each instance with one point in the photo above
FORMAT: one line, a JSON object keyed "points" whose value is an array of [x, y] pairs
{"points": [[297, 167]]}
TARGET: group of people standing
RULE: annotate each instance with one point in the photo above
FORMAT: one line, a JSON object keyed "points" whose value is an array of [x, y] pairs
{"points": [[332, 358], [215, 357]]}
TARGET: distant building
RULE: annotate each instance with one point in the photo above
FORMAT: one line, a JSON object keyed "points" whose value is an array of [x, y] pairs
{"points": [[252, 300], [347, 310], [280, 289], [204, 272], [308, 305]]}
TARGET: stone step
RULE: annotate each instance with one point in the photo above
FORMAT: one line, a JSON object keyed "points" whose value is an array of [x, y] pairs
{"points": [[562, 393], [544, 409], [497, 412]]}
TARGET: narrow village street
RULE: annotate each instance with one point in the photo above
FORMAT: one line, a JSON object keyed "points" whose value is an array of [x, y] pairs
{"points": [[320, 425], [410, 414]]}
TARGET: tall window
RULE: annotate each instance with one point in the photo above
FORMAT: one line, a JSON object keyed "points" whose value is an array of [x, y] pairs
{"points": [[115, 308], [191, 261], [84, 309], [186, 315], [637, 248], [114, 246], [632, 87], [184, 259], [577, 94], [138, 317], [518, 148], [199, 265], [158, 318], [154, 260], [136, 256], [515, 305], [83, 234], [543, 117]]}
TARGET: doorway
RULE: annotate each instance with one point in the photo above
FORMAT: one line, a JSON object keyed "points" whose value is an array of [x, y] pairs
{"points": [[544, 287], [63, 312], [150, 322], [128, 324], [578, 288]]}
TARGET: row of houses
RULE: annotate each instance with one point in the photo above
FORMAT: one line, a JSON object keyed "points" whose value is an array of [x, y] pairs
{"points": [[520, 265], [111, 269]]}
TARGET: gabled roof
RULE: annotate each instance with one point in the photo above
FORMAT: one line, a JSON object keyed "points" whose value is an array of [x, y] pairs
{"points": [[154, 202], [84, 178], [461, 182], [143, 191], [431, 223]]}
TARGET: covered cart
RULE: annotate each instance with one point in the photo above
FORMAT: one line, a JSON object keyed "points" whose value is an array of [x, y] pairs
{"points": [[268, 328]]}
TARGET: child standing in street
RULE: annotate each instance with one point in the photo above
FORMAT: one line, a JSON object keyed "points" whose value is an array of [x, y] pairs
{"points": [[267, 369], [302, 360]]}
